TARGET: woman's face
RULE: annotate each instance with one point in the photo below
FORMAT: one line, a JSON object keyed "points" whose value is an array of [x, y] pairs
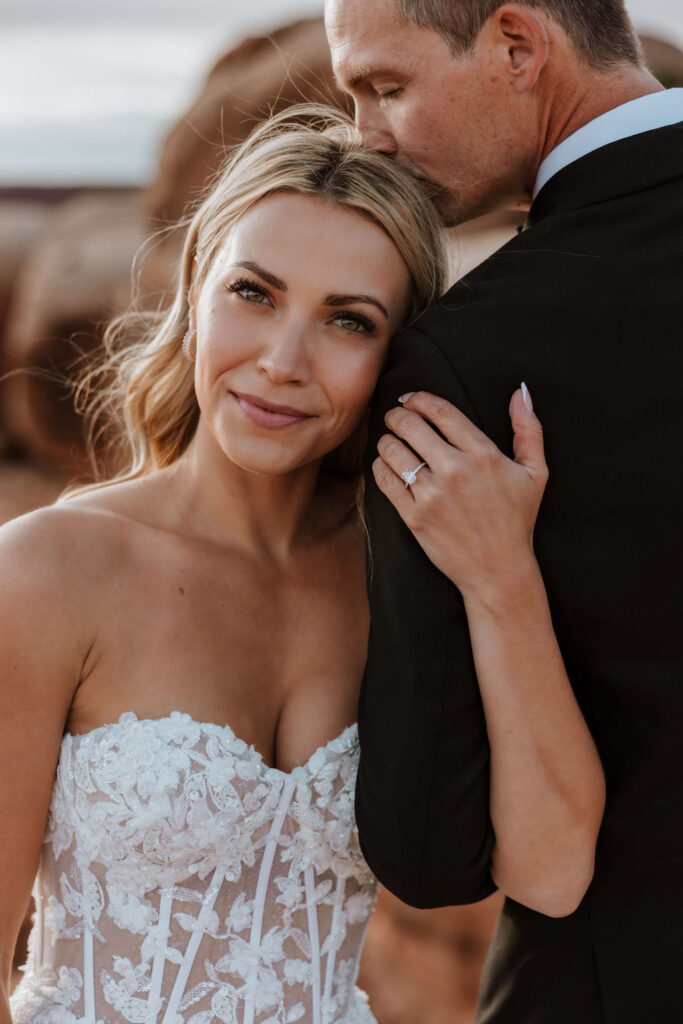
{"points": [[293, 322]]}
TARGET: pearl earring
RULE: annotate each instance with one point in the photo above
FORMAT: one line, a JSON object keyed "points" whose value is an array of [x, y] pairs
{"points": [[190, 350]]}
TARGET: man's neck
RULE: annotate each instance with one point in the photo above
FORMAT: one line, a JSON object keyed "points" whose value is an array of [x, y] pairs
{"points": [[579, 100]]}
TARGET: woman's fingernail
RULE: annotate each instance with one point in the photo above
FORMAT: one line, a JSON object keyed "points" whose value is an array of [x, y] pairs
{"points": [[404, 398], [527, 397]]}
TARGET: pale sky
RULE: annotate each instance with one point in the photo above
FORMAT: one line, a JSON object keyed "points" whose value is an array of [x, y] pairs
{"points": [[236, 15]]}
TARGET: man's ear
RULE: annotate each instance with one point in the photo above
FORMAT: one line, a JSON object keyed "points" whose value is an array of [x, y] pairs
{"points": [[524, 35]]}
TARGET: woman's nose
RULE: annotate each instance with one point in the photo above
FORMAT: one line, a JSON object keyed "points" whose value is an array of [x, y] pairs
{"points": [[285, 358]]}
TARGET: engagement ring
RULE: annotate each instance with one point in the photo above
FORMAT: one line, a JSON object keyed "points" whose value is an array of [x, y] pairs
{"points": [[409, 476]]}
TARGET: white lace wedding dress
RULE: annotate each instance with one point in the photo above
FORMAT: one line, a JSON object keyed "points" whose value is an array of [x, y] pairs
{"points": [[183, 881]]}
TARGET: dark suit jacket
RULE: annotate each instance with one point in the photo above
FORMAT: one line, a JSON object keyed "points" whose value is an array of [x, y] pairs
{"points": [[587, 307]]}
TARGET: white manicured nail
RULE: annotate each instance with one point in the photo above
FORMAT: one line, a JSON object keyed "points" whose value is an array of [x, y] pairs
{"points": [[527, 397]]}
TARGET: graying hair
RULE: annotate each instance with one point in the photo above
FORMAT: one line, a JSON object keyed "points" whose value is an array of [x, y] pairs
{"points": [[600, 30]]}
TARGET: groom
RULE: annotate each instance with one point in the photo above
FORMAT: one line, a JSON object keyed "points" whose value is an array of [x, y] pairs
{"points": [[498, 103]]}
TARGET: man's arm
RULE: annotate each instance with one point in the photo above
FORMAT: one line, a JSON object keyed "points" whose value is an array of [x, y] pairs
{"points": [[422, 799]]}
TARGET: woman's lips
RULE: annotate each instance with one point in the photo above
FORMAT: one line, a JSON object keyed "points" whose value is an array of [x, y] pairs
{"points": [[268, 414]]}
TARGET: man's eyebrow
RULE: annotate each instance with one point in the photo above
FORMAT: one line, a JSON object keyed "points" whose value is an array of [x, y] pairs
{"points": [[276, 282], [349, 76], [358, 75], [344, 300], [354, 75]]}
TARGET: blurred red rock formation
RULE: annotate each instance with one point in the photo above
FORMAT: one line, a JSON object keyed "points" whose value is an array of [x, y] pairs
{"points": [[260, 76], [22, 224], [74, 280], [664, 60]]}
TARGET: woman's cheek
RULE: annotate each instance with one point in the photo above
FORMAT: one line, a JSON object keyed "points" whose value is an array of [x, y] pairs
{"points": [[224, 348], [352, 376]]}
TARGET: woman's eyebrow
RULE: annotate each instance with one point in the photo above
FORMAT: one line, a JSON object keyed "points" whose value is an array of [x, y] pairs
{"points": [[344, 300], [276, 282]]}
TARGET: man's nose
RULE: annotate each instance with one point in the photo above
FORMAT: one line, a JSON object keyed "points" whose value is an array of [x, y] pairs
{"points": [[285, 359], [380, 142], [374, 130]]}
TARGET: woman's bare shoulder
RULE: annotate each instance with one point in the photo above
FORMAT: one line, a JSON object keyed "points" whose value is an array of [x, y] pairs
{"points": [[83, 538], [47, 621], [56, 543]]}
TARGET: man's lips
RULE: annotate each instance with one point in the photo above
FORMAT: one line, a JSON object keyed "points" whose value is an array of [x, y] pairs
{"points": [[268, 414]]}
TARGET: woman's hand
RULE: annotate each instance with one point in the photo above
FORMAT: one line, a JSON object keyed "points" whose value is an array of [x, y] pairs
{"points": [[471, 509]]}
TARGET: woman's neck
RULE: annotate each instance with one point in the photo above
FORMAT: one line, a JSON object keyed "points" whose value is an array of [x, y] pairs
{"points": [[266, 515]]}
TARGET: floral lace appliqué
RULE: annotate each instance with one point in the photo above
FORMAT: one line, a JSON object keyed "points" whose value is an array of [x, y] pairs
{"points": [[183, 881]]}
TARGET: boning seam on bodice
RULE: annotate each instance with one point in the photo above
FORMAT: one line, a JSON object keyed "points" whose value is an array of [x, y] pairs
{"points": [[193, 945], [159, 961], [356, 965], [333, 946], [262, 892], [89, 975], [312, 913]]}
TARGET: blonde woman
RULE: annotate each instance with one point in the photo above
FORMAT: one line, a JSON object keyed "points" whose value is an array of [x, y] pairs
{"points": [[181, 648]]}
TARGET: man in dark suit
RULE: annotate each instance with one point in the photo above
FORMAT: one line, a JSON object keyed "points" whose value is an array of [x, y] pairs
{"points": [[500, 103]]}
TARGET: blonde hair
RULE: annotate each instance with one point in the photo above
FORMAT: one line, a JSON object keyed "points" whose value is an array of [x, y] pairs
{"points": [[139, 396]]}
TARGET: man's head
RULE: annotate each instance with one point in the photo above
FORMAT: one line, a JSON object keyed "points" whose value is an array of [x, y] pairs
{"points": [[471, 94]]}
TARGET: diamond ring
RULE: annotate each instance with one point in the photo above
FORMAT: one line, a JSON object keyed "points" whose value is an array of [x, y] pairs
{"points": [[409, 476]]}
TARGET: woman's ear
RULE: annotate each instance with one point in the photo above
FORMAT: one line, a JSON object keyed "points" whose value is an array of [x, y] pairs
{"points": [[524, 34], [193, 289], [192, 306]]}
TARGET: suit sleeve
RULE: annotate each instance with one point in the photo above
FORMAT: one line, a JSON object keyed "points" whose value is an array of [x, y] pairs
{"points": [[422, 798]]}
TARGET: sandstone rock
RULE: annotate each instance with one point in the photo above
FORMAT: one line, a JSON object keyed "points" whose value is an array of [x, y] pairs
{"points": [[74, 281], [664, 60], [21, 223], [24, 487]]}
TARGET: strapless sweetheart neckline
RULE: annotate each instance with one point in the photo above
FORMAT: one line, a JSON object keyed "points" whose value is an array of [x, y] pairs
{"points": [[346, 740]]}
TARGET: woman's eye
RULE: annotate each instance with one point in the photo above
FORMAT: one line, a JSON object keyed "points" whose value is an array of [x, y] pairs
{"points": [[250, 292], [390, 94], [355, 324]]}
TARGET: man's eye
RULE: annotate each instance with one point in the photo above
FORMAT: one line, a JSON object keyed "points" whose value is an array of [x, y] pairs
{"points": [[389, 94]]}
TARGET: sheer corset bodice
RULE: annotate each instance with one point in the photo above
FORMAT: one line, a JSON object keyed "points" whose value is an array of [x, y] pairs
{"points": [[183, 880]]}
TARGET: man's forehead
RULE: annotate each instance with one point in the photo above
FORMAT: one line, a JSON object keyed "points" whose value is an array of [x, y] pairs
{"points": [[350, 22], [360, 38]]}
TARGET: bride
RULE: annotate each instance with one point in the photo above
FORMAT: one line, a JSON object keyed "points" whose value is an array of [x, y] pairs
{"points": [[182, 646]]}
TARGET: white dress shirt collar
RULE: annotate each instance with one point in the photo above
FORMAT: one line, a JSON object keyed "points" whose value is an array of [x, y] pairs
{"points": [[658, 110]]}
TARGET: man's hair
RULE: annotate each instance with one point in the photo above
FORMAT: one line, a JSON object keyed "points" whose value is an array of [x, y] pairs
{"points": [[600, 30]]}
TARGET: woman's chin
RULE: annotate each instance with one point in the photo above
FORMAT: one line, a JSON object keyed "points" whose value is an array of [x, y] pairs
{"points": [[272, 457], [272, 465]]}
